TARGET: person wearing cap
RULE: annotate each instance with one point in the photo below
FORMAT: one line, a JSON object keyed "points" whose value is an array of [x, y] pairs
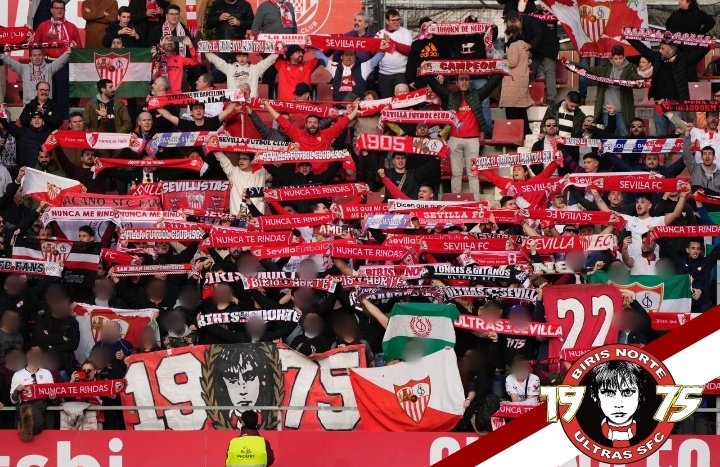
{"points": [[293, 69], [43, 105], [428, 47], [669, 78], [249, 449], [349, 75], [393, 65], [241, 71], [465, 140]]}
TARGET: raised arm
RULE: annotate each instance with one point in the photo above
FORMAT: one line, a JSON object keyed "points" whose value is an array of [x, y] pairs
{"points": [[679, 207], [168, 116], [225, 163]]}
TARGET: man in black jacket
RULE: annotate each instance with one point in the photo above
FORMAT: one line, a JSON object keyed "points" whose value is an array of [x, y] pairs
{"points": [[544, 47], [57, 330], [230, 18]]}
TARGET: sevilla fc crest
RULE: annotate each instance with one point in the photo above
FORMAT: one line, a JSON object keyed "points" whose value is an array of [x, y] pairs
{"points": [[55, 252], [649, 297], [594, 17], [112, 66], [53, 191], [413, 398]]}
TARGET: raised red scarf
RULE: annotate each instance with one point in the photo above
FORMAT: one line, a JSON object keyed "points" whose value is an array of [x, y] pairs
{"points": [[639, 184], [165, 234], [513, 293], [460, 29], [683, 231], [657, 35], [119, 257], [421, 116], [565, 243], [303, 249], [625, 83], [566, 216], [12, 36], [93, 140], [404, 144], [359, 211], [335, 42], [190, 163], [450, 243], [367, 252], [237, 46], [511, 160], [316, 191], [151, 270], [325, 285], [303, 108], [30, 267], [186, 98], [505, 326], [296, 157], [80, 389], [691, 105], [706, 199], [35, 45], [227, 143], [494, 258], [231, 237], [402, 101], [83, 200], [283, 222], [489, 66]]}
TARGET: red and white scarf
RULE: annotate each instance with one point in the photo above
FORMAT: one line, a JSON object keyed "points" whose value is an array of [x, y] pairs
{"points": [[227, 143], [657, 35], [83, 200], [691, 106], [459, 29], [639, 184], [237, 46], [489, 66], [420, 116], [35, 45], [58, 30], [191, 163], [402, 101], [619, 435], [179, 32], [647, 145], [683, 231], [565, 243], [297, 157], [350, 250], [112, 256], [507, 327], [13, 36], [284, 222], [93, 140], [404, 144], [304, 249], [567, 216], [359, 211], [286, 16], [30, 267], [511, 160], [625, 83], [493, 258], [335, 42], [186, 98], [151, 270], [230, 237], [165, 234], [80, 389], [706, 199], [287, 283], [450, 243], [316, 191], [303, 108]]}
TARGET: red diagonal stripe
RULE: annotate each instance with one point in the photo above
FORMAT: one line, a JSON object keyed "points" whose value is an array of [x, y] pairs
{"points": [[498, 441]]}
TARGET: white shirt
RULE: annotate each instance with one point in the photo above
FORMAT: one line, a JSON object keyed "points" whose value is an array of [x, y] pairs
{"points": [[641, 266], [705, 138], [637, 227], [513, 386], [212, 109], [395, 62], [24, 377]]}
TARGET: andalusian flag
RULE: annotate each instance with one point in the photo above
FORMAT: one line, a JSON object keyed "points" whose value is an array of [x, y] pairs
{"points": [[419, 329], [655, 293], [128, 69]]}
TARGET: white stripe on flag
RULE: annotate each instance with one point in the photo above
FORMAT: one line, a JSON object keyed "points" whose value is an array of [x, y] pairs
{"points": [[85, 71]]}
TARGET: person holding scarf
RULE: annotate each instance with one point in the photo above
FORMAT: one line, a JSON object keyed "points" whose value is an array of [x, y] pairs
{"points": [[35, 71], [54, 30], [274, 17], [690, 19]]}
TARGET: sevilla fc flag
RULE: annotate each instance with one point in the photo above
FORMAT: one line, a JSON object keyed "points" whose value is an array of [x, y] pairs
{"points": [[46, 187], [425, 395], [587, 315], [595, 26]]}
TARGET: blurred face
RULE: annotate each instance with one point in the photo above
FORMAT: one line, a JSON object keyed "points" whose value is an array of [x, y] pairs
{"points": [[145, 122], [313, 324], [307, 270], [124, 19], [89, 369], [642, 206], [637, 128], [521, 370], [551, 127], [244, 162], [425, 194], [618, 60], [694, 250], [652, 161], [712, 120], [87, 158], [103, 289], [77, 123], [392, 23], [707, 156], [85, 237], [463, 83], [14, 360], [242, 59], [176, 322], [255, 327], [348, 58], [157, 87], [519, 172], [10, 321], [311, 125], [360, 24], [399, 161], [666, 52], [615, 197], [36, 57], [590, 164], [222, 293], [684, 4], [34, 357], [44, 159], [57, 9], [110, 332]]}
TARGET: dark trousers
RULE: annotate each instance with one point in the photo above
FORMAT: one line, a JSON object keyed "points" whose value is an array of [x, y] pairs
{"points": [[61, 90], [518, 113]]}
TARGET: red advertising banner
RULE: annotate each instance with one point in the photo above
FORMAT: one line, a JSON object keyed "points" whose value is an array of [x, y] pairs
{"points": [[291, 448], [586, 315], [211, 195]]}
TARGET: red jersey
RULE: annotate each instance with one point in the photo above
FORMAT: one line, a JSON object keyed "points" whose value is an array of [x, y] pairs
{"points": [[176, 66], [52, 31], [290, 75], [320, 141], [469, 128]]}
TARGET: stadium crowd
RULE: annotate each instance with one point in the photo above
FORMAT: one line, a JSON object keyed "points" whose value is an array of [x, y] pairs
{"points": [[354, 232]]}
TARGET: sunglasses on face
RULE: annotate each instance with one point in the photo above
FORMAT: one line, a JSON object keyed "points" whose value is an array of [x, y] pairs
{"points": [[553, 125], [636, 126]]}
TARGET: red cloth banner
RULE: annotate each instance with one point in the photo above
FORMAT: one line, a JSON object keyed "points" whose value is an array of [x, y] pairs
{"points": [[13, 36], [283, 222], [639, 184], [93, 140], [237, 46], [187, 98], [207, 195], [586, 315], [112, 256], [191, 163], [82, 200], [683, 231], [450, 243], [368, 253], [464, 67], [316, 191], [402, 101], [297, 157], [405, 144], [80, 389], [230, 237], [151, 270], [691, 105], [566, 216], [146, 189]]}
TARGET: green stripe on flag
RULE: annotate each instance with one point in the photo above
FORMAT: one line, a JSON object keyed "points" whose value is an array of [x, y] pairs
{"points": [[129, 69], [654, 293], [419, 329]]}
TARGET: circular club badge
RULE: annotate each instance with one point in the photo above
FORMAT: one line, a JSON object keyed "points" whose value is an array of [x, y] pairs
{"points": [[618, 403]]}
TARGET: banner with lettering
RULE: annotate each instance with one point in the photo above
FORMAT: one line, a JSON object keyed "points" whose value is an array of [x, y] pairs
{"points": [[81, 389], [585, 313], [211, 195], [241, 375]]}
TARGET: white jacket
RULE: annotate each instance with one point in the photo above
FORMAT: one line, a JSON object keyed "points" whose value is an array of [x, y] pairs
{"points": [[238, 75], [241, 181]]}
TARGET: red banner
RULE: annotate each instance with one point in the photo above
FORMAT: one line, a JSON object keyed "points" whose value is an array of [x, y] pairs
{"points": [[210, 195], [81, 389], [151, 203], [586, 314]]}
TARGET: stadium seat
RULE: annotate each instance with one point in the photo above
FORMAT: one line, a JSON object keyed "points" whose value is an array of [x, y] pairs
{"points": [[537, 92], [507, 133], [263, 92], [700, 90]]}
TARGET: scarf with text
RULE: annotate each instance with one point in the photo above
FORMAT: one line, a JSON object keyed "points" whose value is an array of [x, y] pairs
{"points": [[565, 216], [358, 211], [639, 184], [387, 221], [451, 243], [230, 237], [227, 143], [404, 144], [182, 235], [83, 200], [493, 258], [421, 116], [405, 271], [459, 215], [565, 243], [472, 273], [493, 293], [643, 146], [237, 46], [460, 29], [402, 101], [315, 192], [34, 45], [579, 142], [285, 222], [298, 157], [697, 105], [231, 317], [399, 205], [683, 231], [12, 36], [335, 42], [93, 140], [111, 256], [706, 199], [324, 285], [507, 327], [151, 270], [302, 108], [191, 163], [283, 40], [387, 293], [354, 282], [680, 38], [283, 251], [625, 83], [489, 66], [80, 389], [186, 98], [30, 267], [350, 250], [510, 160]]}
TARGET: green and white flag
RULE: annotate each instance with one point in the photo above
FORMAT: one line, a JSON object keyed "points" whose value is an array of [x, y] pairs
{"points": [[419, 329], [654, 293], [128, 69]]}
